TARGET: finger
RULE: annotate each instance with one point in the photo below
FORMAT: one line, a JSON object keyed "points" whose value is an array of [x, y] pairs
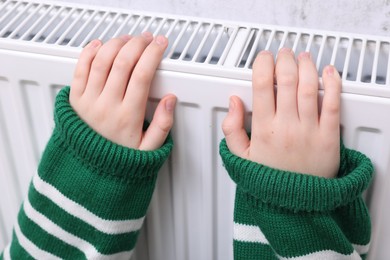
{"points": [[286, 73], [162, 122], [233, 128], [101, 65], [138, 88], [83, 67], [124, 64], [263, 89], [307, 90], [330, 112]]}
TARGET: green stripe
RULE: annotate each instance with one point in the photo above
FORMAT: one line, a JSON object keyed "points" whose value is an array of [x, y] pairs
{"points": [[17, 251], [106, 196], [1, 256], [252, 251], [46, 241], [248, 250], [104, 243]]}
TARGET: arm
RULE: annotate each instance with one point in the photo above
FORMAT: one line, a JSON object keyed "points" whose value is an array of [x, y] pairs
{"points": [[298, 190], [98, 172]]}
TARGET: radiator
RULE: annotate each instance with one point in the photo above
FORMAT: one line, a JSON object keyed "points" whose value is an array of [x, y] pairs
{"points": [[206, 62]]}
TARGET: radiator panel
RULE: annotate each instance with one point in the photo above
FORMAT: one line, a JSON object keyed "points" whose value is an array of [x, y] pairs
{"points": [[192, 208]]}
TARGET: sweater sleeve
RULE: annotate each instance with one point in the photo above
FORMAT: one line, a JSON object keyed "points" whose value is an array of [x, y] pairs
{"points": [[89, 197], [287, 215]]}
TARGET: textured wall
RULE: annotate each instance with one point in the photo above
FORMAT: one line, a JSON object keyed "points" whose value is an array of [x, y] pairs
{"points": [[360, 16]]}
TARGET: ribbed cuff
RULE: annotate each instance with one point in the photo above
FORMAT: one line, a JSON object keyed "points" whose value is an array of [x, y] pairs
{"points": [[99, 152], [300, 192]]}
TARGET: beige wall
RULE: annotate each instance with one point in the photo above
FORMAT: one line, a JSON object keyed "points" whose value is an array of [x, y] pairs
{"points": [[359, 16]]}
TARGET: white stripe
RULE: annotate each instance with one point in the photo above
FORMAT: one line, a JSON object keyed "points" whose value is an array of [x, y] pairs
{"points": [[324, 255], [248, 233], [361, 249], [75, 209], [88, 249], [30, 247], [7, 254]]}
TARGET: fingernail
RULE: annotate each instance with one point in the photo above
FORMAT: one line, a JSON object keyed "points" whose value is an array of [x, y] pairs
{"points": [[330, 70], [94, 44], [304, 55], [147, 35], [232, 105], [161, 40], [284, 49], [266, 53], [125, 37], [170, 104]]}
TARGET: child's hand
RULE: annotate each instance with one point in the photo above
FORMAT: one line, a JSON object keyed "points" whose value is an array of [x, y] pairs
{"points": [[288, 132], [110, 89]]}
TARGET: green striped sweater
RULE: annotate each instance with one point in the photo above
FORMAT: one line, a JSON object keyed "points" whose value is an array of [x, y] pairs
{"points": [[286, 215], [90, 196]]}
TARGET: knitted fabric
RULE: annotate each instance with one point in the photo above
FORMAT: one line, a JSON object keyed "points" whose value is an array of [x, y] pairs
{"points": [[89, 197], [286, 215]]}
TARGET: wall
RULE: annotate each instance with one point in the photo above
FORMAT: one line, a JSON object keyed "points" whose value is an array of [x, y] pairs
{"points": [[359, 16]]}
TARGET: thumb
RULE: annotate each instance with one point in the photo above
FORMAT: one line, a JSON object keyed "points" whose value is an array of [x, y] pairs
{"points": [[233, 128], [161, 124]]}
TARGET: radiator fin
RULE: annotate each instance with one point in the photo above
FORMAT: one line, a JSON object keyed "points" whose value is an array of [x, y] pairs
{"points": [[358, 59]]}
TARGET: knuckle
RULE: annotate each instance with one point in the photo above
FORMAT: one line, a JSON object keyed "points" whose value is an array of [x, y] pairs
{"points": [[121, 64], [263, 81], [74, 98], [287, 79], [79, 73], [122, 122], [308, 92], [264, 136], [100, 65], [165, 124], [99, 113], [142, 76], [103, 108], [284, 135], [333, 108], [227, 127], [261, 138]]}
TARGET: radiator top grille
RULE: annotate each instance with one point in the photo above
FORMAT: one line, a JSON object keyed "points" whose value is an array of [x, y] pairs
{"points": [[213, 47]]}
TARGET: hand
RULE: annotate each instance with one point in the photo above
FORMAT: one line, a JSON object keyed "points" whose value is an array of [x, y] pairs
{"points": [[288, 132], [110, 89]]}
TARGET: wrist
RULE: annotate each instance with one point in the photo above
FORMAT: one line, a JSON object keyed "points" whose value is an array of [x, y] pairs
{"points": [[297, 191]]}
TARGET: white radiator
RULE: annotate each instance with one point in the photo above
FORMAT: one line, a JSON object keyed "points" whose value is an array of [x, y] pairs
{"points": [[207, 61]]}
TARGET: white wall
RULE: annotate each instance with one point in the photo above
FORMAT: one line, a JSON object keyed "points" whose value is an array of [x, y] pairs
{"points": [[359, 16]]}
